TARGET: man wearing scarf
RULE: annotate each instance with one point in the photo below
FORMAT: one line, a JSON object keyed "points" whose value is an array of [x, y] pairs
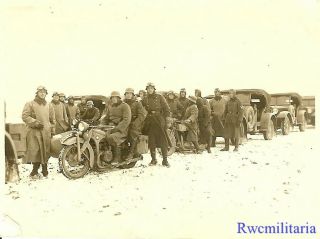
{"points": [[39, 117], [217, 105], [184, 102], [62, 122]]}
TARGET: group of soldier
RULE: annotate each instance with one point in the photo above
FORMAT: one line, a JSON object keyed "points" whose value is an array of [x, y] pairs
{"points": [[148, 113]]}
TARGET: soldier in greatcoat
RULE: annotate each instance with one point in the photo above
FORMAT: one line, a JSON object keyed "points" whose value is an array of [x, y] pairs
{"points": [[217, 105], [190, 119], [156, 123], [205, 127], [72, 110], [82, 106], [138, 114], [198, 94], [233, 115], [62, 121], [39, 117], [176, 108], [117, 114]]}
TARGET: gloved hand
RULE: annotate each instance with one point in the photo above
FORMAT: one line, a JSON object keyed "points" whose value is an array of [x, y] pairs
{"points": [[37, 125]]}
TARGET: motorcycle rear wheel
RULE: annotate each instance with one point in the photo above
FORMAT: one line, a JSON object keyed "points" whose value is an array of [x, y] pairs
{"points": [[71, 168]]}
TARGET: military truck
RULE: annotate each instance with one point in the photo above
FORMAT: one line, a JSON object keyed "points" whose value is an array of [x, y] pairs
{"points": [[289, 110], [309, 104]]}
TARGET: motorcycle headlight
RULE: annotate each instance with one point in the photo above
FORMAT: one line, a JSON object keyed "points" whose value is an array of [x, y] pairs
{"points": [[275, 111], [83, 126]]}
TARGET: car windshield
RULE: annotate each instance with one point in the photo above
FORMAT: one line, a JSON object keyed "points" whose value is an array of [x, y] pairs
{"points": [[280, 100], [308, 102]]}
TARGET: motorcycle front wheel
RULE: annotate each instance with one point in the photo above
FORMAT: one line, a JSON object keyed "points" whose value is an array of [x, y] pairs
{"points": [[69, 164]]}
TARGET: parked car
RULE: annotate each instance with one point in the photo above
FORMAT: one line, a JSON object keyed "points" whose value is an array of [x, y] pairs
{"points": [[257, 116], [289, 110], [309, 104]]}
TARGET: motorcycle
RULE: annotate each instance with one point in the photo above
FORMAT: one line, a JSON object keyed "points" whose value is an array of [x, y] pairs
{"points": [[86, 147]]}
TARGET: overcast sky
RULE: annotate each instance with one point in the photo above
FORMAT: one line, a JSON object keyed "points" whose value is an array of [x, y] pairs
{"points": [[94, 47]]}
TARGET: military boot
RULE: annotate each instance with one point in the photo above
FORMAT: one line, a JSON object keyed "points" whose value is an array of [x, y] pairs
{"points": [[34, 173], [132, 150], [164, 152], [209, 145], [227, 143], [45, 170], [153, 156], [236, 148], [196, 147], [213, 144], [165, 162], [116, 155]]}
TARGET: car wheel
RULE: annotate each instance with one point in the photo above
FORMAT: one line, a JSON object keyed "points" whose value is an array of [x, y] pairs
{"points": [[302, 126], [268, 135], [285, 126]]}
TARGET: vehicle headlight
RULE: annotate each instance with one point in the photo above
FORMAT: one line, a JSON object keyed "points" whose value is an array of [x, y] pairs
{"points": [[83, 126]]}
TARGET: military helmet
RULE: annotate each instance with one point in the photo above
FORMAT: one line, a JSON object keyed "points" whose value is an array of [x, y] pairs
{"points": [[150, 84], [62, 95], [55, 93], [170, 92], [183, 90], [192, 99], [41, 88], [90, 102], [115, 94], [129, 90]]}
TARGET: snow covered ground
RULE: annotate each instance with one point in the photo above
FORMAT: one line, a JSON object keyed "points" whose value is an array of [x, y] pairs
{"points": [[200, 196]]}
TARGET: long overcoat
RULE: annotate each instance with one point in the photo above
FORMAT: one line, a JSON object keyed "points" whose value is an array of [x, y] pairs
{"points": [[233, 116], [118, 115], [217, 106], [38, 140], [138, 114], [205, 127], [155, 123], [62, 122], [72, 112], [192, 115]]}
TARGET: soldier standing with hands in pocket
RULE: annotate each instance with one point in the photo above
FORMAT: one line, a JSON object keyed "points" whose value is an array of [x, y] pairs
{"points": [[39, 117]]}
